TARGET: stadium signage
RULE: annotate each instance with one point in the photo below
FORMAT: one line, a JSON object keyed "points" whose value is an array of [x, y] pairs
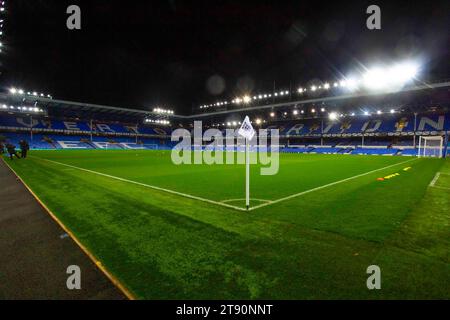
{"points": [[213, 147]]}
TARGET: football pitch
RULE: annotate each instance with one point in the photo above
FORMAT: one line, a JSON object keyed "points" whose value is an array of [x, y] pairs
{"points": [[182, 232]]}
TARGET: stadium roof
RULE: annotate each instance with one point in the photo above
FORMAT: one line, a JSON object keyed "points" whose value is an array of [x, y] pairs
{"points": [[70, 108]]}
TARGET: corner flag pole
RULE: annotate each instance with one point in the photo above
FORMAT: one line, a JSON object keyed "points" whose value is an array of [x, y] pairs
{"points": [[247, 131], [247, 174]]}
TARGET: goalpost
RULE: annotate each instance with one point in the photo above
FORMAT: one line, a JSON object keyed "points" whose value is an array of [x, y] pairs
{"points": [[430, 146]]}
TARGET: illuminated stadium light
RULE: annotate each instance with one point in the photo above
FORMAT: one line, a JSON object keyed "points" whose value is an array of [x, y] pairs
{"points": [[272, 114], [322, 109], [375, 79], [295, 112], [13, 90], [366, 113], [352, 114], [302, 112], [343, 83], [313, 88], [162, 111], [246, 99], [379, 112], [392, 111], [333, 116], [326, 86], [258, 121], [335, 84], [313, 110], [351, 84], [403, 72]]}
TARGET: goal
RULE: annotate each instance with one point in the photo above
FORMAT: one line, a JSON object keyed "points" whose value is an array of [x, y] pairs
{"points": [[431, 146]]}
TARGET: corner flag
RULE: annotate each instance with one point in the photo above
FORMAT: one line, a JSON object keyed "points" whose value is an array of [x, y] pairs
{"points": [[246, 130]]}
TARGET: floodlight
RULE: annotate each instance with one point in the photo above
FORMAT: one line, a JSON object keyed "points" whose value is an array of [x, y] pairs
{"points": [[404, 72], [366, 113], [326, 86], [379, 112], [272, 114], [313, 110], [352, 84], [313, 88], [333, 116], [258, 121], [13, 90], [246, 99], [392, 111], [295, 112], [375, 79], [322, 109]]}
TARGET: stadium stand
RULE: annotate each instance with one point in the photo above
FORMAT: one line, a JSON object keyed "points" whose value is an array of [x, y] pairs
{"points": [[369, 135]]}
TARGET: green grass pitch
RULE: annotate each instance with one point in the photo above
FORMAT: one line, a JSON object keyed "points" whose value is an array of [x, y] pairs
{"points": [[317, 245]]}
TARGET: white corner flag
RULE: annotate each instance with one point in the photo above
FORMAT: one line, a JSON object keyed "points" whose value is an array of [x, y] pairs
{"points": [[246, 130]]}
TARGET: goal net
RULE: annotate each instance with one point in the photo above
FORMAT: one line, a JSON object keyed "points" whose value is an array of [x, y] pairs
{"points": [[431, 146]]}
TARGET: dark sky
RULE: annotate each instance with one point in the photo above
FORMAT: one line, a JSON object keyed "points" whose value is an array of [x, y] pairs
{"points": [[181, 54]]}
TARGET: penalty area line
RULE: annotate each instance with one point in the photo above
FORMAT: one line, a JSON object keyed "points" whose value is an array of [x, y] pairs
{"points": [[435, 179], [145, 185], [327, 185]]}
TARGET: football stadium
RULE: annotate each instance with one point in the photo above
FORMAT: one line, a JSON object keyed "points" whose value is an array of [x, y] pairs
{"points": [[330, 188]]}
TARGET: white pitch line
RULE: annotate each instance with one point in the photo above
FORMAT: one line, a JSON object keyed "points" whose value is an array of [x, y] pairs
{"points": [[147, 185], [438, 187], [243, 199], [327, 185], [435, 179]]}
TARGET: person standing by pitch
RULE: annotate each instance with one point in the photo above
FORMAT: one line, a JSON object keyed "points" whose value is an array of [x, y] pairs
{"points": [[24, 147]]}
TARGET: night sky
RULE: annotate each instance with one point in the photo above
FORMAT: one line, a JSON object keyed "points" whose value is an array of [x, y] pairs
{"points": [[181, 54]]}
